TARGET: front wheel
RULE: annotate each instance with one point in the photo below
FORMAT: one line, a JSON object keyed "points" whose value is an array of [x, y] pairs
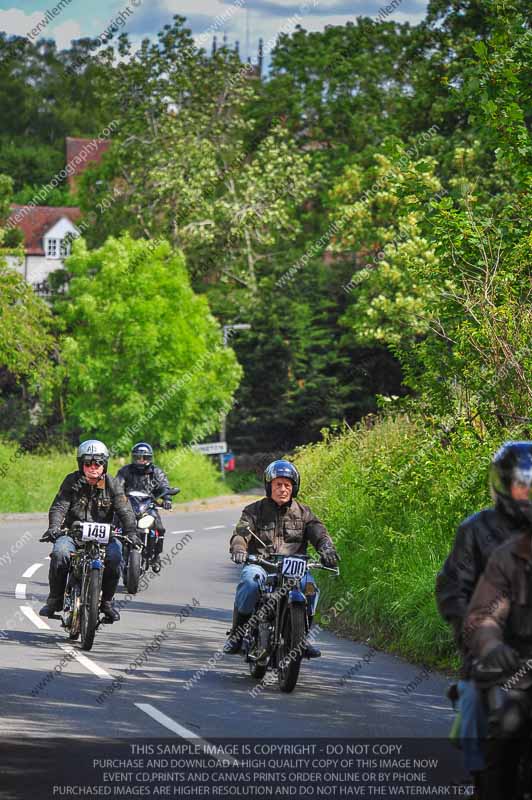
{"points": [[291, 647], [133, 571], [89, 608]]}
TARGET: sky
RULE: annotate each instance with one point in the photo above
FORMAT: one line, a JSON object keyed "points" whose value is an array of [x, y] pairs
{"points": [[242, 20]]}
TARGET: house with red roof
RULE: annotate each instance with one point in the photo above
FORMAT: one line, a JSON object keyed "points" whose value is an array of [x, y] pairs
{"points": [[48, 230]]}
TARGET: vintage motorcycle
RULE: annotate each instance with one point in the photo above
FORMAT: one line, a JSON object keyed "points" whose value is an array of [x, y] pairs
{"points": [[493, 684], [138, 558], [276, 634], [81, 605]]}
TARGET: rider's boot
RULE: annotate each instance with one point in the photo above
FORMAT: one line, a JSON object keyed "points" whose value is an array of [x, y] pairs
{"points": [[156, 563], [52, 606], [234, 641], [109, 584], [108, 610], [311, 651]]}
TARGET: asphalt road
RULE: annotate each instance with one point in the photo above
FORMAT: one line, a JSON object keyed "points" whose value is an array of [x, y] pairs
{"points": [[181, 686]]}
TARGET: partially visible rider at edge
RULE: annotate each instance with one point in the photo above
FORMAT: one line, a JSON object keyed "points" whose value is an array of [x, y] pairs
{"points": [[476, 539], [88, 495], [143, 476], [284, 526], [498, 627]]}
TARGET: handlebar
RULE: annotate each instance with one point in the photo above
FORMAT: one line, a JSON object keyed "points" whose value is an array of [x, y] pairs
{"points": [[311, 564]]}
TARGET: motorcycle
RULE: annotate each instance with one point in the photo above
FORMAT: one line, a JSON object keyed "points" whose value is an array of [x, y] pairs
{"points": [[493, 683], [81, 605], [138, 558], [276, 634]]}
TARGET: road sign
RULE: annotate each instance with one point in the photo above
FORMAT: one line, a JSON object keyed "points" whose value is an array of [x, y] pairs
{"points": [[211, 448]]}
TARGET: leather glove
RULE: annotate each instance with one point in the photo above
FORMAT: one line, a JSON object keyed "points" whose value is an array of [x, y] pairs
{"points": [[167, 503], [501, 657], [329, 557], [136, 541], [239, 556], [51, 535]]}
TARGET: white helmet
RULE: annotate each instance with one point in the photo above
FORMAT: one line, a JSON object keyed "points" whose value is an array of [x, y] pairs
{"points": [[92, 448]]}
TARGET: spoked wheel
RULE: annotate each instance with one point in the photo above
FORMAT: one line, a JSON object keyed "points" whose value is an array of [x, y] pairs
{"points": [[75, 604], [133, 572], [90, 607], [291, 647]]}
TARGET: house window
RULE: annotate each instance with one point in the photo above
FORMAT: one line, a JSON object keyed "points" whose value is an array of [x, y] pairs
{"points": [[58, 248], [52, 248]]}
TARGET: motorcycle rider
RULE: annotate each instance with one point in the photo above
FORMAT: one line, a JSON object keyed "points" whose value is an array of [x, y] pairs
{"points": [[498, 625], [143, 476], [476, 539], [88, 495], [283, 525]]}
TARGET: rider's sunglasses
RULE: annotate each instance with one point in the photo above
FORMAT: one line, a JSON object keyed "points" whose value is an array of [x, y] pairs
{"points": [[90, 460]]}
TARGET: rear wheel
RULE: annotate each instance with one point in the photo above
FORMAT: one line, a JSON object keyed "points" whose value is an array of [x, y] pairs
{"points": [[257, 670], [75, 603], [291, 647], [90, 607], [133, 572]]}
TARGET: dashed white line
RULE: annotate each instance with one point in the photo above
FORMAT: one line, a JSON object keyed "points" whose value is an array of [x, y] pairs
{"points": [[191, 530], [214, 527], [32, 616], [30, 572], [175, 727], [20, 591], [92, 666]]}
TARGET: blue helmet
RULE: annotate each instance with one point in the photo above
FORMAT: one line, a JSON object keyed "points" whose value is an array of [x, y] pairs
{"points": [[144, 451], [281, 469], [512, 464]]}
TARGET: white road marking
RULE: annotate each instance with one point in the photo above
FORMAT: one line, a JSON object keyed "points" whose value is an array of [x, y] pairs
{"points": [[30, 572], [175, 727], [190, 530], [214, 527], [92, 666], [32, 616], [20, 591]]}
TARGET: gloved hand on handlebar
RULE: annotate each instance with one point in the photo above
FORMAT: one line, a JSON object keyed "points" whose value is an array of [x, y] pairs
{"points": [[329, 557], [239, 556], [501, 657], [167, 503], [51, 535]]}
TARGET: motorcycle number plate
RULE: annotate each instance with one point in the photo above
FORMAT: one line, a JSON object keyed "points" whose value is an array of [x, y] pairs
{"points": [[96, 532], [294, 567]]}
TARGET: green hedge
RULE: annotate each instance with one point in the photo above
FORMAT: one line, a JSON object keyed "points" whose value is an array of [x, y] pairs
{"points": [[392, 497], [28, 482]]}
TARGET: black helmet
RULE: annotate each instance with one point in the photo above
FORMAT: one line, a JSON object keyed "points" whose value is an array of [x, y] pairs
{"points": [[92, 450], [281, 469], [512, 463], [142, 450]]}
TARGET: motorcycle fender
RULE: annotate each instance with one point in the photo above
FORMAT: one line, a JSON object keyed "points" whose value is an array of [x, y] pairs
{"points": [[296, 596], [97, 563]]}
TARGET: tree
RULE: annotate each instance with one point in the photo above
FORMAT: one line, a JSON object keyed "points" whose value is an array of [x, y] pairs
{"points": [[141, 353], [182, 165], [26, 343]]}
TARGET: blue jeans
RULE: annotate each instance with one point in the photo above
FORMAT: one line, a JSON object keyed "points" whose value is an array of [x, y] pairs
{"points": [[474, 725], [60, 560], [247, 591]]}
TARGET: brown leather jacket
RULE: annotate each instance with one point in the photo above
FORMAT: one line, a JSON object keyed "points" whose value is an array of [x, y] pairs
{"points": [[288, 529], [501, 606]]}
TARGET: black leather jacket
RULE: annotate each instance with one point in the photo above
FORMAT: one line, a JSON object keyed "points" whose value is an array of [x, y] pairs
{"points": [[476, 539], [78, 500], [151, 481]]}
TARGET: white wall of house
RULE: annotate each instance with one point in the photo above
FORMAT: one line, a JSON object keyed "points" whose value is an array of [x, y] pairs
{"points": [[35, 268]]}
